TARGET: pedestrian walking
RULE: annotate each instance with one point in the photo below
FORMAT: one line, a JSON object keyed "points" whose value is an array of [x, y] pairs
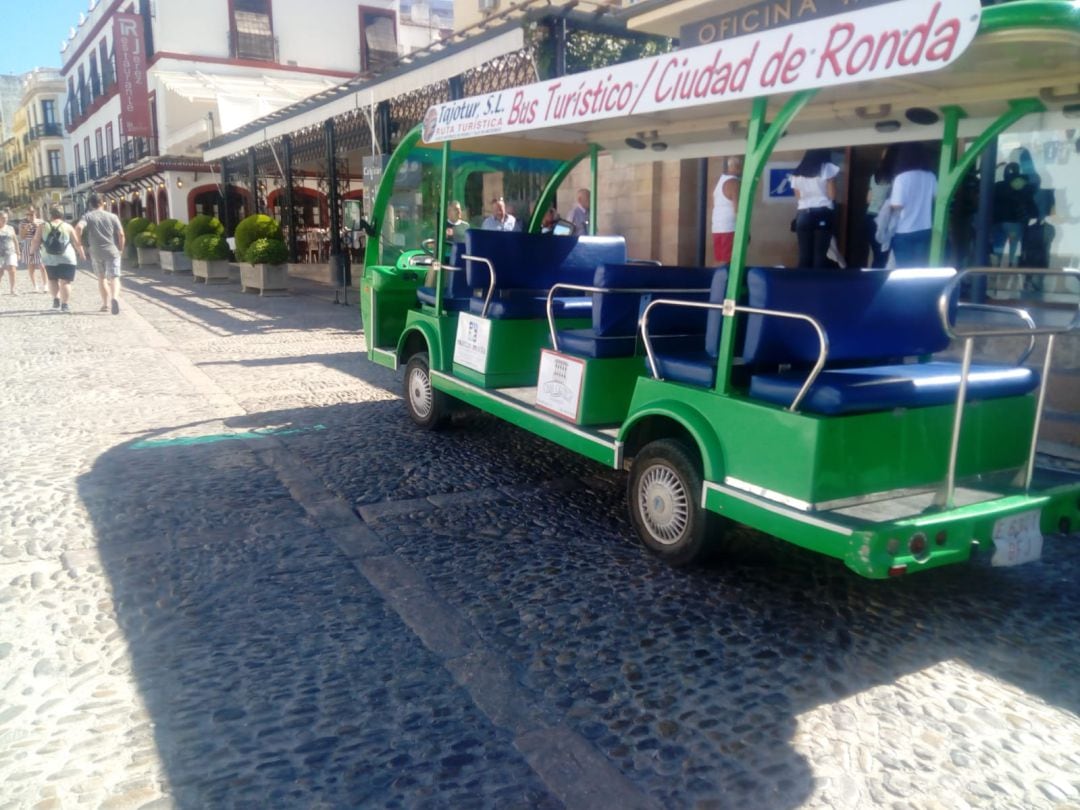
{"points": [[62, 251], [725, 209], [105, 238], [9, 258], [32, 261]]}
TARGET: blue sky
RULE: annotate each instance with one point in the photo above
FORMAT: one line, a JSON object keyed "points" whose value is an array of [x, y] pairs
{"points": [[33, 30]]}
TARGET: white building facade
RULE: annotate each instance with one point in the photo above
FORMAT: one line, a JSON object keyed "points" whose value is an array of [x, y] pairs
{"points": [[212, 66]]}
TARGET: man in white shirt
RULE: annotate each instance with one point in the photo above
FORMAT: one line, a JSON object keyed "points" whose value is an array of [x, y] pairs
{"points": [[499, 219], [579, 214]]}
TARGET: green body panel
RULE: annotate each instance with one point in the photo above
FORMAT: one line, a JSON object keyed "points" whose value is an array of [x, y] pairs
{"points": [[952, 535], [387, 295], [514, 346], [437, 332], [606, 388], [579, 440], [816, 459]]}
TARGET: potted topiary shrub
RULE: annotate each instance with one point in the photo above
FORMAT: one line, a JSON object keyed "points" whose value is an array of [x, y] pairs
{"points": [[132, 228], [253, 228], [146, 247], [266, 269], [209, 257], [170, 240]]}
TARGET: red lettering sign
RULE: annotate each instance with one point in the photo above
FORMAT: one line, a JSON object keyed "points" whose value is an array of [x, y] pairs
{"points": [[130, 53]]}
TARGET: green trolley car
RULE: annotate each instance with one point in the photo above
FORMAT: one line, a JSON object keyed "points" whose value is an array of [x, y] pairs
{"points": [[813, 405]]}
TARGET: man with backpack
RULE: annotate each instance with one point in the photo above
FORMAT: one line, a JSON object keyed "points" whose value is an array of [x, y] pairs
{"points": [[62, 251], [105, 238]]}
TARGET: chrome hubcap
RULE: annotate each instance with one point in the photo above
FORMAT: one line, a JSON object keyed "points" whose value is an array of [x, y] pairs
{"points": [[663, 504], [420, 392]]}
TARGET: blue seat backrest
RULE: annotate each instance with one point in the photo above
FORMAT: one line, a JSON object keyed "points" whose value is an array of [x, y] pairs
{"points": [[866, 314], [457, 286], [618, 314], [534, 261], [715, 319]]}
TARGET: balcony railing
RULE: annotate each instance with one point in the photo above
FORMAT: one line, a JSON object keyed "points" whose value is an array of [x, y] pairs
{"points": [[102, 166], [244, 45], [92, 170], [71, 180], [116, 161], [50, 181], [49, 130], [80, 175]]}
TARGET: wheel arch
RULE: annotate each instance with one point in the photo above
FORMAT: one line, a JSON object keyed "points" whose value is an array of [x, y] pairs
{"points": [[419, 337], [675, 420]]}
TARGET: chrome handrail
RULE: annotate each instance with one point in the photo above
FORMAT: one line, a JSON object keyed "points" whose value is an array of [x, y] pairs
{"points": [[1023, 314], [586, 288], [946, 295], [946, 494], [491, 282], [729, 308]]}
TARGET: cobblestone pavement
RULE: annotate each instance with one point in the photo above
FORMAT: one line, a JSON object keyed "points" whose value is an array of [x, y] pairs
{"points": [[233, 575]]}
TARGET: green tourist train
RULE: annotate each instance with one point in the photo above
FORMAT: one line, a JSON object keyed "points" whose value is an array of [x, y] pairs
{"points": [[841, 409]]}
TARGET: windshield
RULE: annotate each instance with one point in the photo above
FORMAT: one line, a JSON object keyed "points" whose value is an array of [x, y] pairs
{"points": [[501, 190]]}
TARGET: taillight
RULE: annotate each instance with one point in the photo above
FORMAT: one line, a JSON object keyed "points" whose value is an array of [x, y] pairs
{"points": [[897, 570], [919, 547]]}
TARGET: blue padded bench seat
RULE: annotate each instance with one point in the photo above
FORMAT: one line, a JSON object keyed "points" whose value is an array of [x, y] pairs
{"points": [[456, 294], [527, 265], [696, 364], [877, 388], [873, 319], [617, 315]]}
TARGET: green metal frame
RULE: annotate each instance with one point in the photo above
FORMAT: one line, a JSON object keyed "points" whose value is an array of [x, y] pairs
{"points": [[547, 196], [761, 139], [953, 166]]}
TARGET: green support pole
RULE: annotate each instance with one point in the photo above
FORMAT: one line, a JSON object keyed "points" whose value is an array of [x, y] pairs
{"points": [[953, 166], [386, 190], [440, 225], [593, 165], [761, 139]]}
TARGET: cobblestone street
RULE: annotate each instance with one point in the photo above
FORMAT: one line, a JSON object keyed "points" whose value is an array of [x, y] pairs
{"points": [[233, 574]]}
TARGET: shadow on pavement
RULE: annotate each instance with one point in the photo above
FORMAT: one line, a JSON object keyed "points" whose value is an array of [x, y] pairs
{"points": [[275, 674], [222, 308]]}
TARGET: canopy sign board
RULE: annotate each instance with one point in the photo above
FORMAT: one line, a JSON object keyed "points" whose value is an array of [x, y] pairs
{"points": [[893, 39]]}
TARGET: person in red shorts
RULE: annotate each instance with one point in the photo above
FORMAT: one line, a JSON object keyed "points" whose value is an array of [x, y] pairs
{"points": [[725, 207]]}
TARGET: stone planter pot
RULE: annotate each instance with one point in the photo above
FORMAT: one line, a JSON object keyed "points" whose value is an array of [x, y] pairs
{"points": [[148, 257], [266, 278], [174, 261], [214, 271]]}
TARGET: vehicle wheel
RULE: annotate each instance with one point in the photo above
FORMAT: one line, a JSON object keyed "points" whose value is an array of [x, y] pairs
{"points": [[664, 497], [428, 408]]}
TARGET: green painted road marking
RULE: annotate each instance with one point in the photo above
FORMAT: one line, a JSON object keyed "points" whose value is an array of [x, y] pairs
{"points": [[185, 441]]}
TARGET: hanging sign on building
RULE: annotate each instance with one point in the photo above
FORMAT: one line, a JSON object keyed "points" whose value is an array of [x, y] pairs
{"points": [[130, 51], [896, 38], [763, 16]]}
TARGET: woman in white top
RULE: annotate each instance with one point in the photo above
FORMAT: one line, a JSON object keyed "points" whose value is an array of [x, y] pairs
{"points": [[912, 201], [725, 207], [814, 183]]}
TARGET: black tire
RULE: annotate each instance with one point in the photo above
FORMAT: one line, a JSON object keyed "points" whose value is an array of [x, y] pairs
{"points": [[664, 496], [428, 408]]}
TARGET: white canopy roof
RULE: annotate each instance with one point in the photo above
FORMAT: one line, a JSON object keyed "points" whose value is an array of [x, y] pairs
{"points": [[241, 99], [418, 76]]}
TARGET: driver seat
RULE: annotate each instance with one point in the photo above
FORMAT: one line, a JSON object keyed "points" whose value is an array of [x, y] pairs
{"points": [[457, 293]]}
